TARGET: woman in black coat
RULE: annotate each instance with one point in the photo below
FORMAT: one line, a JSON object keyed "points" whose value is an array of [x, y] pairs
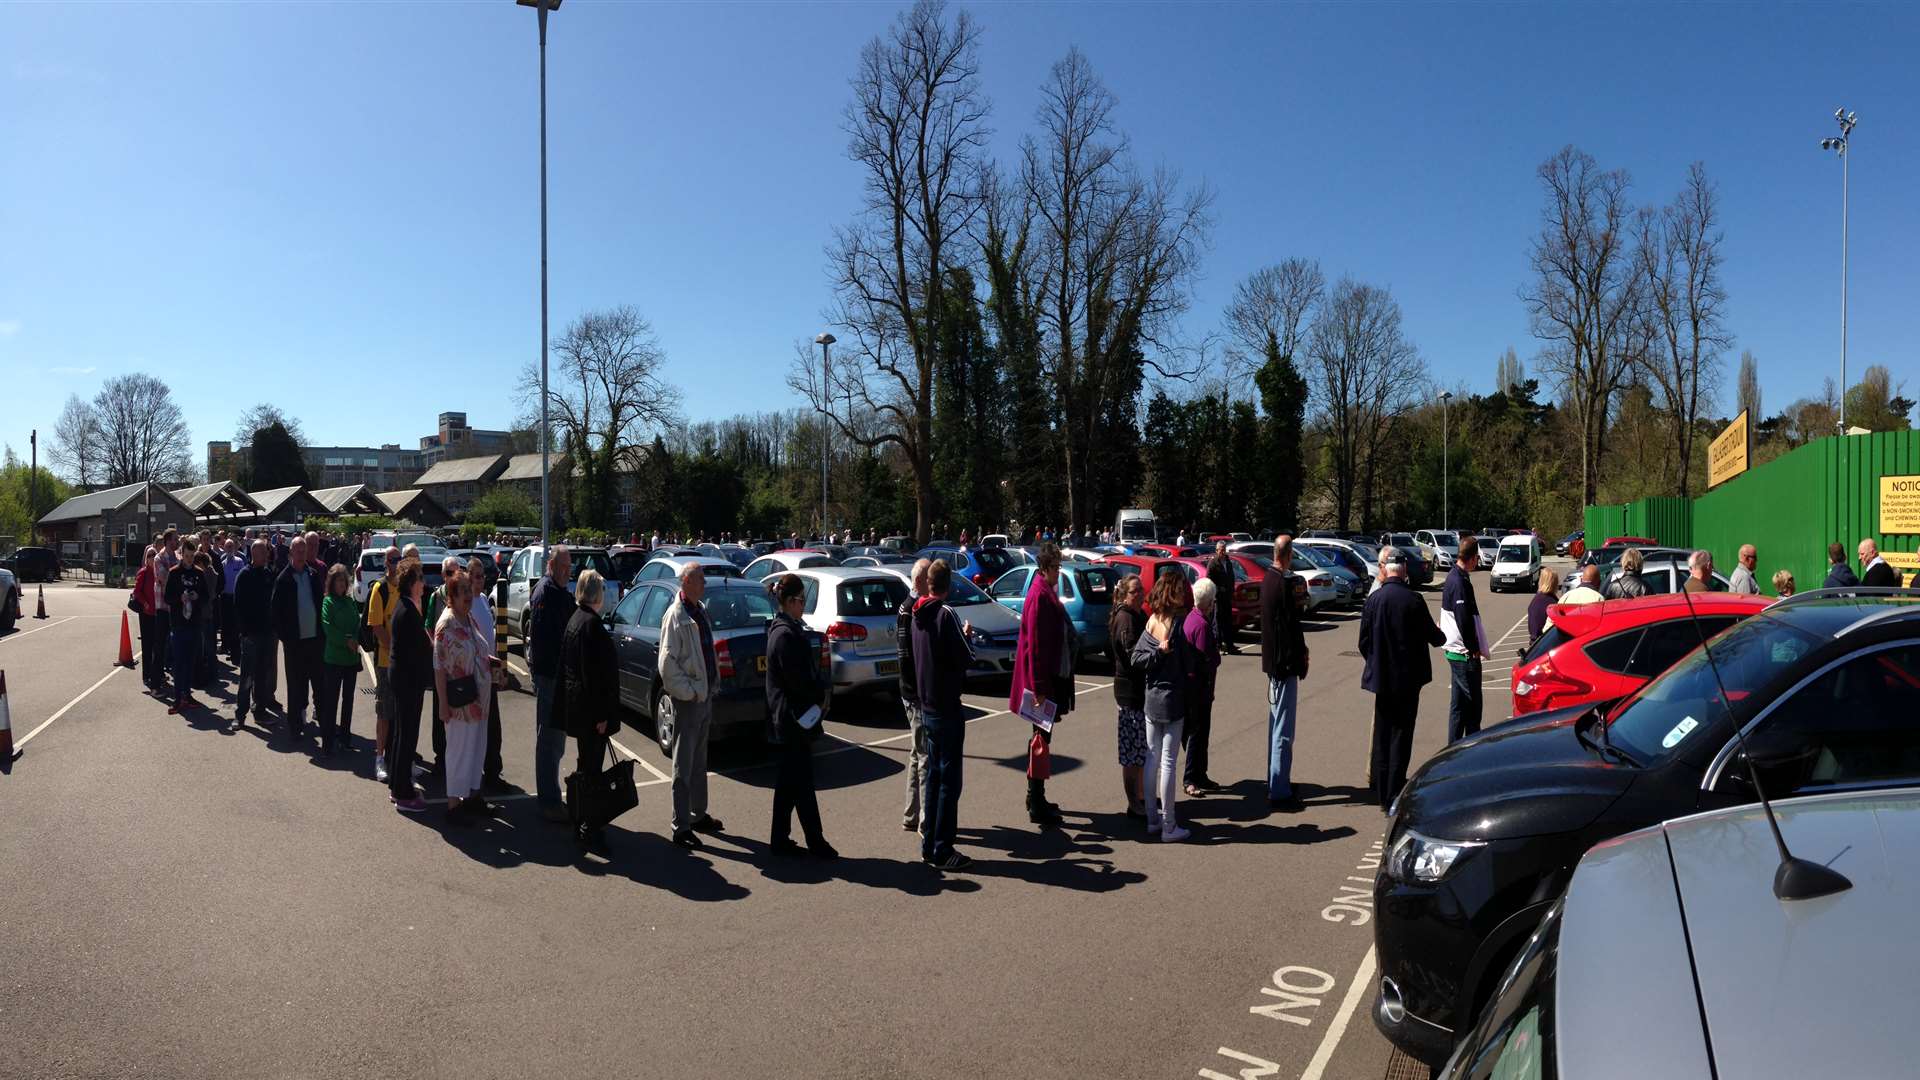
{"points": [[589, 691], [411, 674], [793, 687]]}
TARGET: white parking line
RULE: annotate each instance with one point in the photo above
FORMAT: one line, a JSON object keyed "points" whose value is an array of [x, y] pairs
{"points": [[658, 776], [23, 633], [1362, 980], [111, 672]]}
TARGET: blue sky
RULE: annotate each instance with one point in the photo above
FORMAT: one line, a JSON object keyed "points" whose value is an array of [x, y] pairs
{"points": [[226, 194]]}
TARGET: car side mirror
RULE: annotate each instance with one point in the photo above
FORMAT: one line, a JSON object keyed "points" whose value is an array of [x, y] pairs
{"points": [[1776, 749]]}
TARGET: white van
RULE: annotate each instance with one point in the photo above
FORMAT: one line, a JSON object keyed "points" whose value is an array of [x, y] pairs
{"points": [[1517, 564], [1134, 526]]}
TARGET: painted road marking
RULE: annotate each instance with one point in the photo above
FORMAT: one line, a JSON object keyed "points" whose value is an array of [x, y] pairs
{"points": [[1297, 987], [1351, 904], [17, 635], [658, 776], [1329, 1042], [111, 672], [851, 745]]}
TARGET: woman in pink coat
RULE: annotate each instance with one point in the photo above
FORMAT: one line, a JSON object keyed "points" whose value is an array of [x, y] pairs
{"points": [[1043, 663]]}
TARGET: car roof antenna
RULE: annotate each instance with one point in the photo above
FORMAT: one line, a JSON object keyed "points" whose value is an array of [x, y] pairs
{"points": [[1795, 878]]}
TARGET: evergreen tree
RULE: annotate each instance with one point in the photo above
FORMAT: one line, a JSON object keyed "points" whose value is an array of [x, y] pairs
{"points": [[1282, 474]]}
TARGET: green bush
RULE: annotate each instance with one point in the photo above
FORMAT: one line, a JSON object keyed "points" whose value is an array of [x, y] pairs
{"points": [[504, 508]]}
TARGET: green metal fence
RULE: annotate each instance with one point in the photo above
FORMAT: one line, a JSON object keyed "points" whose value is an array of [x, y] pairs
{"points": [[1789, 508]]}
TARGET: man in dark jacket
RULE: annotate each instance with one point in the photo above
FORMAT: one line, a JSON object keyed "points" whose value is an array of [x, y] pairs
{"points": [[1220, 572], [1876, 572], [297, 594], [589, 673], [1396, 630], [551, 607], [941, 657], [253, 615], [1466, 642], [795, 688], [910, 697], [1839, 574], [1283, 657]]}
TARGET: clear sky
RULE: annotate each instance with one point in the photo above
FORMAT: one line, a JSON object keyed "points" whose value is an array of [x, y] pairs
{"points": [[334, 206]]}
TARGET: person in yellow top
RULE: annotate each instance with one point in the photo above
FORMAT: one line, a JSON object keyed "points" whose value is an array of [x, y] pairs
{"points": [[383, 599]]}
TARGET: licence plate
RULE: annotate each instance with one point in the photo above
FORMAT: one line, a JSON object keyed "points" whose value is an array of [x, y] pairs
{"points": [[760, 664], [887, 667]]}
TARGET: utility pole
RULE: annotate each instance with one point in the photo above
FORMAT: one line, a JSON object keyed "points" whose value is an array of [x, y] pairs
{"points": [[1841, 146], [33, 491], [825, 341], [1445, 469], [546, 501]]}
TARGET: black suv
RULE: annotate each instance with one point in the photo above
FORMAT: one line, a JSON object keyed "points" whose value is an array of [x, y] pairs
{"points": [[1826, 688], [35, 564]]}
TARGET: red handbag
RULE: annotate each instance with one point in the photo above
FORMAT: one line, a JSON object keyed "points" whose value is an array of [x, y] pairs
{"points": [[1039, 759]]}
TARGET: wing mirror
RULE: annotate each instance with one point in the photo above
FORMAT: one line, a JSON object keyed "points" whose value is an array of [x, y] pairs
{"points": [[1784, 759]]}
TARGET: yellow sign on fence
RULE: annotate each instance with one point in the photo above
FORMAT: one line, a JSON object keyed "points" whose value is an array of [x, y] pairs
{"points": [[1727, 454], [1904, 561], [1900, 504]]}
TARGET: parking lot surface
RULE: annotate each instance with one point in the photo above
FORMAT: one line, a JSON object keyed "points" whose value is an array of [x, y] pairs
{"points": [[187, 902]]}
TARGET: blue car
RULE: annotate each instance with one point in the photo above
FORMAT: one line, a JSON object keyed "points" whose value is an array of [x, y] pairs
{"points": [[982, 566], [1086, 591]]}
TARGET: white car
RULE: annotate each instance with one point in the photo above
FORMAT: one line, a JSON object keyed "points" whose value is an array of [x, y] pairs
{"points": [[9, 600], [1089, 554], [1439, 546], [780, 562], [1516, 565], [1367, 555], [669, 566], [857, 609], [996, 630], [1489, 548]]}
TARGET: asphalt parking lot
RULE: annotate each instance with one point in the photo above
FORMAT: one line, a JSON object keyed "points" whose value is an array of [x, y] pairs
{"points": [[186, 902]]}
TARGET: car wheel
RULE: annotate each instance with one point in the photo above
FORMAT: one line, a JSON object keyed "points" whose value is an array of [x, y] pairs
{"points": [[525, 613], [665, 726]]}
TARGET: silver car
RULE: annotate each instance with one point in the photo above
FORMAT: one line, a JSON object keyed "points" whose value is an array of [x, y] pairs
{"points": [[529, 563], [1670, 955], [996, 630], [857, 609]]}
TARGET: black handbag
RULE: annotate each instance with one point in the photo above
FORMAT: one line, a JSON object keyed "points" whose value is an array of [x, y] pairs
{"points": [[595, 800], [462, 692]]}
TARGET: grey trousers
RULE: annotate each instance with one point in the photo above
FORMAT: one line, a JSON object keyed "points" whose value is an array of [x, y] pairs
{"points": [[690, 762], [916, 766]]}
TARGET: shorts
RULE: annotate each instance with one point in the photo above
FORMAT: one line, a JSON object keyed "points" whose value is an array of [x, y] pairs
{"points": [[1133, 738]]}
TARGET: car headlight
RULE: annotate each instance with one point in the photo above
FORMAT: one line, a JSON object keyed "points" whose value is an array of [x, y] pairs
{"points": [[1424, 860]]}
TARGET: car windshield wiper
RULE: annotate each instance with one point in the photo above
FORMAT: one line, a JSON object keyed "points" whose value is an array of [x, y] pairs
{"points": [[1604, 742]]}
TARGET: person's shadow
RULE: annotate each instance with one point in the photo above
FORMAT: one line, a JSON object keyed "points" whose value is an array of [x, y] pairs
{"points": [[911, 877], [1051, 857]]}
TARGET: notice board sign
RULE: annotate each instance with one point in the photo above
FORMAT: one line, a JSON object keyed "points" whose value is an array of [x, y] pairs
{"points": [[1727, 454], [1900, 504]]}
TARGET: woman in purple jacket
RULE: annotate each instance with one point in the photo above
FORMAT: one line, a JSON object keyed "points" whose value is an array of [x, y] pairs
{"points": [[1198, 630], [1043, 663]]}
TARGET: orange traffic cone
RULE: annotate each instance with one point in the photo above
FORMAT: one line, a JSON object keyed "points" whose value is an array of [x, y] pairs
{"points": [[6, 729], [42, 613], [126, 644]]}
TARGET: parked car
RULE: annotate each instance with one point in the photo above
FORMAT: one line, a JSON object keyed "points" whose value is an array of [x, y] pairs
{"points": [[978, 565], [901, 544], [530, 562], [738, 612], [10, 597], [1086, 591], [855, 609], [1489, 543], [1565, 544], [1350, 574], [1149, 567], [669, 568], [627, 561], [1090, 554], [1667, 571], [995, 540], [1486, 833], [1360, 558], [1420, 565], [885, 559], [1323, 586], [1170, 551], [491, 569], [1674, 934], [32, 564], [1438, 546], [1516, 565], [996, 630], [1605, 651], [1244, 604], [779, 562]]}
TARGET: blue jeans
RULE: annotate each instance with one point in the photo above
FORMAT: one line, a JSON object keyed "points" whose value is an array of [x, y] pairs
{"points": [[1283, 702], [1463, 711], [550, 742], [185, 644], [944, 740]]}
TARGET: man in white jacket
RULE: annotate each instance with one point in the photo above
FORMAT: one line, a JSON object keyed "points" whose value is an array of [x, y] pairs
{"points": [[688, 672]]}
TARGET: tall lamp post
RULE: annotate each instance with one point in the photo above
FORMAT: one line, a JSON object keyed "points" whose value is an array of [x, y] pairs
{"points": [[546, 502], [825, 341], [1846, 121], [1445, 471]]}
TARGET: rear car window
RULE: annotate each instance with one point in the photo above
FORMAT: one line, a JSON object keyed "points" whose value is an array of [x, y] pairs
{"points": [[1099, 583], [1553, 638], [731, 609], [815, 560], [871, 596], [993, 560], [1615, 652]]}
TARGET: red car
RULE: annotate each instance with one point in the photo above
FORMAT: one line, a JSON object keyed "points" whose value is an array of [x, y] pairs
{"points": [[1605, 651], [1147, 566], [1246, 587]]}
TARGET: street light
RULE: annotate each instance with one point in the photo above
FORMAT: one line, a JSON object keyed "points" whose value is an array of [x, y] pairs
{"points": [[1445, 396], [1846, 120], [546, 503], [825, 341]]}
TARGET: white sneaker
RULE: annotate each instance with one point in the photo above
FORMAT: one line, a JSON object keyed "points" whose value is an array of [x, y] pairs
{"points": [[380, 767], [1174, 835]]}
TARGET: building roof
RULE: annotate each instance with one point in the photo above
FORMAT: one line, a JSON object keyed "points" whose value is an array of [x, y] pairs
{"points": [[224, 499], [271, 502], [398, 502], [527, 466], [353, 498], [95, 503], [464, 470]]}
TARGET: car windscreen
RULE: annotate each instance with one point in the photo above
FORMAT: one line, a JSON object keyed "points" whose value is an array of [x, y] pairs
{"points": [[592, 560], [732, 609], [1653, 722], [1446, 539], [965, 592], [865, 597], [1521, 552]]}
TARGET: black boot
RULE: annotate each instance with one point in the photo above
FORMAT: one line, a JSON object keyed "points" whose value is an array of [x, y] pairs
{"points": [[1039, 810]]}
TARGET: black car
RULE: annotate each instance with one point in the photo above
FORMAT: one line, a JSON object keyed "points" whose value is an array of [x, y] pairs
{"points": [[738, 611], [1825, 687], [35, 564], [488, 565]]}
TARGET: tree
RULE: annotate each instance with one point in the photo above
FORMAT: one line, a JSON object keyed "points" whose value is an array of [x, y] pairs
{"points": [[1877, 403], [76, 448], [27, 495], [1272, 304], [1282, 475], [916, 128], [142, 433], [1748, 390], [1116, 253], [275, 462], [1363, 375], [1678, 258], [1508, 374], [265, 415], [1585, 294], [505, 508]]}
